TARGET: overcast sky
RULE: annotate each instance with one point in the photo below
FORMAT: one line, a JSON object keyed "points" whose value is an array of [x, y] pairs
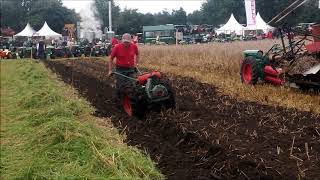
{"points": [[143, 6]]}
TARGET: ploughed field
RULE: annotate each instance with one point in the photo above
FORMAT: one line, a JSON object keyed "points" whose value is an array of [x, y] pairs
{"points": [[208, 135]]}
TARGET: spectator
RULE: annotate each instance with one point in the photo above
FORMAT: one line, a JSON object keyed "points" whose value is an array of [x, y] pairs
{"points": [[41, 47]]}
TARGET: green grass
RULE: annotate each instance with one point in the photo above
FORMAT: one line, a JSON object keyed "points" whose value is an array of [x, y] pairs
{"points": [[48, 132]]}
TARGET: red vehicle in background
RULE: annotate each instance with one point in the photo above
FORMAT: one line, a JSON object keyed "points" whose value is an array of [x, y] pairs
{"points": [[5, 54]]}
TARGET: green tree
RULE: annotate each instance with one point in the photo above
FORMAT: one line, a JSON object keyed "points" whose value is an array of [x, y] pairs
{"points": [[12, 14], [17, 13], [130, 21], [306, 13], [53, 12], [179, 16], [217, 12], [148, 19], [163, 17], [196, 17], [103, 13]]}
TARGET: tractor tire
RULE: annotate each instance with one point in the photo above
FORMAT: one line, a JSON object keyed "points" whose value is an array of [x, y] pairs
{"points": [[9, 56], [168, 103], [14, 56], [249, 71], [171, 102], [52, 56], [132, 105]]}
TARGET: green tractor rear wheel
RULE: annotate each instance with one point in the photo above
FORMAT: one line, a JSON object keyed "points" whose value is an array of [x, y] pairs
{"points": [[249, 71]]}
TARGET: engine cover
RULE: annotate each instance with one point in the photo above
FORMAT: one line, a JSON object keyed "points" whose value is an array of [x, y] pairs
{"points": [[155, 90], [159, 91], [142, 79]]}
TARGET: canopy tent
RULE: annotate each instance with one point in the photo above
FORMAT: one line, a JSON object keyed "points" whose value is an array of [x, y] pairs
{"points": [[47, 32], [260, 25], [28, 31], [231, 26]]}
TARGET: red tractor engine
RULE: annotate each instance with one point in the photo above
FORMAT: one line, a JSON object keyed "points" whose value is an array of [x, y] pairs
{"points": [[142, 79]]}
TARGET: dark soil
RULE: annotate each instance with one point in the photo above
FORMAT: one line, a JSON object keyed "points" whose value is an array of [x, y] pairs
{"points": [[208, 136]]}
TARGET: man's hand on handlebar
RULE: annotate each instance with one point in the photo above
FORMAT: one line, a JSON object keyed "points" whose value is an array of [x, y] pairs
{"points": [[110, 73]]}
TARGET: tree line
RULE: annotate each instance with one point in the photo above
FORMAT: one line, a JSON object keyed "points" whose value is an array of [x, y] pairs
{"points": [[213, 12], [16, 13]]}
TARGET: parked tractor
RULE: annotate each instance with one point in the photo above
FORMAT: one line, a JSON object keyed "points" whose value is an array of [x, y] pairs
{"points": [[6, 54], [10, 53], [143, 91], [296, 63]]}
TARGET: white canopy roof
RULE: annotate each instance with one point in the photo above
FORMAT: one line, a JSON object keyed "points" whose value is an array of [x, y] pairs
{"points": [[231, 26], [47, 32], [28, 31], [260, 25]]}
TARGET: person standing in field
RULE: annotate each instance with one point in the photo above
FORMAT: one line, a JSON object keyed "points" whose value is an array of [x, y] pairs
{"points": [[41, 47], [127, 58]]}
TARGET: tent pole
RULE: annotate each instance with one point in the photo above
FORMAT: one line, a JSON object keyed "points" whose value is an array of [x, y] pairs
{"points": [[176, 37]]}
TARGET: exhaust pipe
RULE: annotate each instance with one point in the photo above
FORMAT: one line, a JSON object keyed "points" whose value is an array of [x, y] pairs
{"points": [[271, 75], [268, 70]]}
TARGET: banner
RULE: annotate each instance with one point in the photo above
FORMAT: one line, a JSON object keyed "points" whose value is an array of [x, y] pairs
{"points": [[250, 12], [179, 35]]}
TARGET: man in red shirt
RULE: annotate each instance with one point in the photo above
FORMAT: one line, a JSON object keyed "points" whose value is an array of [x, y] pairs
{"points": [[126, 54], [127, 57]]}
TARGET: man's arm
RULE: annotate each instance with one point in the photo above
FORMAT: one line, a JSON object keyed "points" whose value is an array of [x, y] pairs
{"points": [[110, 65], [112, 56], [137, 56]]}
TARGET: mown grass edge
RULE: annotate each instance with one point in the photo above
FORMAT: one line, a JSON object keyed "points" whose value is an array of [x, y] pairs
{"points": [[48, 132]]}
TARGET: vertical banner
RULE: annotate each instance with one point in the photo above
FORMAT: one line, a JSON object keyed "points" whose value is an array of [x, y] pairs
{"points": [[250, 12]]}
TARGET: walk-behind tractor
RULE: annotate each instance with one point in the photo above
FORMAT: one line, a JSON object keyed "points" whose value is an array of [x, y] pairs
{"points": [[142, 91], [296, 63]]}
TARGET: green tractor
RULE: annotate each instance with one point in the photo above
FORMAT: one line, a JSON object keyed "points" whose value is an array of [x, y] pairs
{"points": [[252, 66], [296, 65]]}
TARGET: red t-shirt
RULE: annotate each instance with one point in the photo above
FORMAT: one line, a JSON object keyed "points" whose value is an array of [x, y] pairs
{"points": [[114, 42], [125, 56]]}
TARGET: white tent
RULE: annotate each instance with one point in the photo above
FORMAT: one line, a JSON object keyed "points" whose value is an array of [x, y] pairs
{"points": [[260, 25], [28, 31], [47, 32], [231, 26]]}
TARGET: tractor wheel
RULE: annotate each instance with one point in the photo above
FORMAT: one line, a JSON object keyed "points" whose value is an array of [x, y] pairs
{"points": [[249, 71], [52, 56], [132, 105], [9, 56], [168, 103], [171, 102], [14, 56]]}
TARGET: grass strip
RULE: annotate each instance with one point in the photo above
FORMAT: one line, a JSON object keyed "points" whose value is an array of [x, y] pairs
{"points": [[48, 132]]}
